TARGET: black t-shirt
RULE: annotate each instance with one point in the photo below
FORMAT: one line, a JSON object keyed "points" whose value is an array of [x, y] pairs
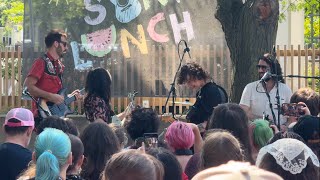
{"points": [[207, 98], [13, 160]]}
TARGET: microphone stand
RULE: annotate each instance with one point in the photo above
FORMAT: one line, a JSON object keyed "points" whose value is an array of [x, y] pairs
{"points": [[270, 104], [173, 88]]}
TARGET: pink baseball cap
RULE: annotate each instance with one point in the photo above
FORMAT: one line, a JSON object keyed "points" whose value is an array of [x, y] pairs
{"points": [[25, 117]]}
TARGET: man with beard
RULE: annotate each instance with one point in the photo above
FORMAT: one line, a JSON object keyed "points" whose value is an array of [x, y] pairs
{"points": [[254, 99], [44, 80]]}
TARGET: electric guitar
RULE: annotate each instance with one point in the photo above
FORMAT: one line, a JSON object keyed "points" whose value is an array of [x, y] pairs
{"points": [[127, 10], [48, 108]]}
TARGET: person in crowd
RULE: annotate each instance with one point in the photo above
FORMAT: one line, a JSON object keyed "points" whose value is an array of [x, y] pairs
{"points": [[140, 121], [236, 170], [73, 129], [254, 99], [77, 149], [309, 97], [207, 97], [180, 137], [233, 118], [51, 157], [289, 158], [121, 135], [14, 155], [100, 143], [44, 79], [134, 165], [58, 123], [260, 132], [308, 127], [287, 134], [214, 149], [172, 167], [97, 100]]}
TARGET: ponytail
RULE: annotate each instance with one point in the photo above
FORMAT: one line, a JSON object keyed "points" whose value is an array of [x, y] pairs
{"points": [[47, 166]]}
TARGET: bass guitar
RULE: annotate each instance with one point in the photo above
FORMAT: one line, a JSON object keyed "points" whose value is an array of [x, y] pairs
{"points": [[47, 108]]}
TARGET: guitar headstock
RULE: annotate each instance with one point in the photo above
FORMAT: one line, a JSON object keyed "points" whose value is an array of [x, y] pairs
{"points": [[132, 95]]}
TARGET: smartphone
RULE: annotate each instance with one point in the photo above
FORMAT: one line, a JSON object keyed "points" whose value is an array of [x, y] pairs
{"points": [[151, 140], [292, 109]]}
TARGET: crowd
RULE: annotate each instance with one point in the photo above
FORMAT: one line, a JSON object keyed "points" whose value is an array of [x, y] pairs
{"points": [[233, 141]]}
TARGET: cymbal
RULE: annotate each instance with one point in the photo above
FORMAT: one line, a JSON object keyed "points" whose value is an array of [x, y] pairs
{"points": [[183, 103]]}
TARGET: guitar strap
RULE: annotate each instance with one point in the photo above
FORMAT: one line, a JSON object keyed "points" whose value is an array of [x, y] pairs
{"points": [[50, 69]]}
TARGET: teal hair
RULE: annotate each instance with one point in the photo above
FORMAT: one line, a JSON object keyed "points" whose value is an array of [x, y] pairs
{"points": [[52, 149], [262, 132]]}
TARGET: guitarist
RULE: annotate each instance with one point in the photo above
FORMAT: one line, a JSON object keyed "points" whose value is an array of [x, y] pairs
{"points": [[44, 80]]}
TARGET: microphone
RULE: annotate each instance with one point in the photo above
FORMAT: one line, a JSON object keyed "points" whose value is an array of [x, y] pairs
{"points": [[187, 49], [266, 77], [25, 91]]}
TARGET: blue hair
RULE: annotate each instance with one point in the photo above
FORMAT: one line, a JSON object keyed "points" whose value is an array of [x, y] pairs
{"points": [[52, 149]]}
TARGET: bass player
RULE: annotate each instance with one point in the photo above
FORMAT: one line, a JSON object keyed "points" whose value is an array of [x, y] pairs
{"points": [[44, 80]]}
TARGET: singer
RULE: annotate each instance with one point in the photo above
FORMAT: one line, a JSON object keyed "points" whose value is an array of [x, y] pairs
{"points": [[208, 95], [254, 101]]}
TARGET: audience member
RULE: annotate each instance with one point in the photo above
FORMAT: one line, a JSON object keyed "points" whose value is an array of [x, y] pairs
{"points": [[282, 135], [233, 118], [51, 157], [308, 127], [180, 138], [77, 149], [100, 143], [172, 167], [133, 165], [309, 97], [214, 149], [236, 170], [260, 133], [141, 120], [121, 135], [72, 127], [57, 123], [289, 158], [14, 155]]}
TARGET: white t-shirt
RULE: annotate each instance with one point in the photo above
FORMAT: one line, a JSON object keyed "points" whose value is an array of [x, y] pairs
{"points": [[255, 98]]}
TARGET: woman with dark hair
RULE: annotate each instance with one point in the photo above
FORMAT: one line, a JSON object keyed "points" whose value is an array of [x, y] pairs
{"points": [[73, 171], [97, 100], [172, 167], [233, 118], [100, 143]]}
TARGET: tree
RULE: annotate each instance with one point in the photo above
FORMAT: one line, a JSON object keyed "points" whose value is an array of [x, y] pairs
{"points": [[11, 14], [250, 29]]}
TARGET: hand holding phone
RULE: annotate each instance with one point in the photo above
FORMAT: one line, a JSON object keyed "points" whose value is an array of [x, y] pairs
{"points": [[292, 109], [151, 140]]}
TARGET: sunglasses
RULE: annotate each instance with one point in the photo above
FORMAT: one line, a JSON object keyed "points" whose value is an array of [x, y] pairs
{"points": [[261, 66], [63, 43]]}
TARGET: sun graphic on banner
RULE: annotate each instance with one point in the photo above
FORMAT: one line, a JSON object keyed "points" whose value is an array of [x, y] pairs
{"points": [[57, 1]]}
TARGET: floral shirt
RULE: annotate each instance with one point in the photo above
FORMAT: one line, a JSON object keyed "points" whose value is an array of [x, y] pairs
{"points": [[96, 108]]}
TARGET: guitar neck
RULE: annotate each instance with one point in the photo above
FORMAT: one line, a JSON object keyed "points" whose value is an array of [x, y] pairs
{"points": [[69, 100]]}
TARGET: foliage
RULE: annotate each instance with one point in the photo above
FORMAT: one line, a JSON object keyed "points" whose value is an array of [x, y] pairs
{"points": [[310, 7], [11, 14], [317, 81]]}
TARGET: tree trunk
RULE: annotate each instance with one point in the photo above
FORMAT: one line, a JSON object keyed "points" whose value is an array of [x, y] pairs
{"points": [[250, 30]]}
